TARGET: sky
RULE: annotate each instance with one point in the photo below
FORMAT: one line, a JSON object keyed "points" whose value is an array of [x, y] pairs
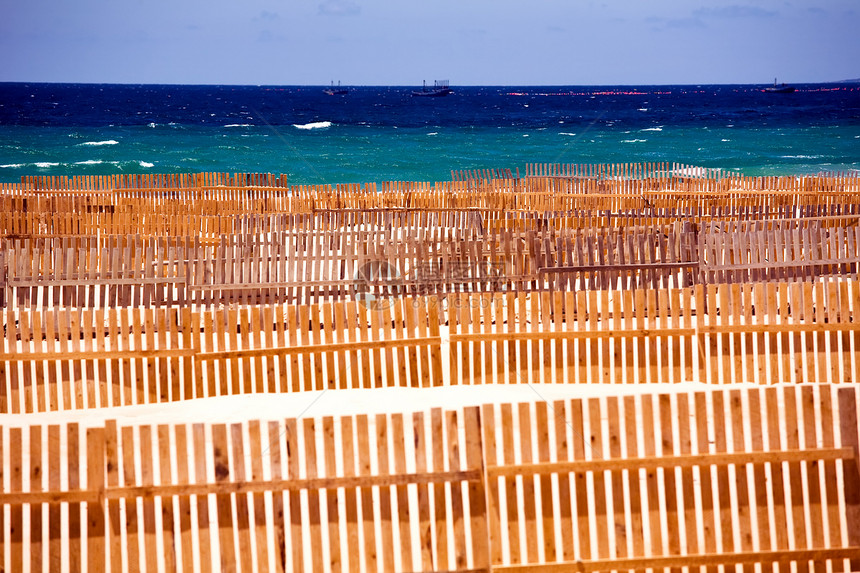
{"points": [[402, 42]]}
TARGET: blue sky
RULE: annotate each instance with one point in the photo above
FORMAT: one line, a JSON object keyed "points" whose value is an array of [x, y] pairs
{"points": [[470, 42]]}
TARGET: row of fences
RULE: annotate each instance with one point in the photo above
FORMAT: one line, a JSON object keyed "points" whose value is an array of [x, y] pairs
{"points": [[174, 222], [614, 171], [623, 171], [304, 264], [640, 198], [151, 291], [764, 333], [755, 477], [51, 183]]}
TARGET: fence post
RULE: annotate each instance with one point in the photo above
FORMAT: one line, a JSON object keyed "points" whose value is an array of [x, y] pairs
{"points": [[3, 278], [699, 296], [96, 508], [478, 508], [848, 433]]}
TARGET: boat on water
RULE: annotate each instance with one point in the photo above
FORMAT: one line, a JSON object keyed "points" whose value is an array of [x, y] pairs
{"points": [[333, 91], [779, 88], [440, 88]]}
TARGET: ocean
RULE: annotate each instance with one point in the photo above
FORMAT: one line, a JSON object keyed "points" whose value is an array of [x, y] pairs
{"points": [[385, 134]]}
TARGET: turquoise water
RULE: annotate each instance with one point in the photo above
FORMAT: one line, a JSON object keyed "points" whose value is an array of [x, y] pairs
{"points": [[381, 134]]}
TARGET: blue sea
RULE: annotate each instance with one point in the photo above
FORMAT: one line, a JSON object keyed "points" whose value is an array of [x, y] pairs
{"points": [[385, 134]]}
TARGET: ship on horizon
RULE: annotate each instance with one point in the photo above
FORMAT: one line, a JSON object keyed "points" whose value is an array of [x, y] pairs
{"points": [[776, 88], [336, 90], [440, 88]]}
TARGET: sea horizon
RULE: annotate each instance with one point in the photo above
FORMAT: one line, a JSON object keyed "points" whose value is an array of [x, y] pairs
{"points": [[413, 85]]}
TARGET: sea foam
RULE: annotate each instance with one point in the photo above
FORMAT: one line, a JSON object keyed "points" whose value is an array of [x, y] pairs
{"points": [[313, 125], [98, 143]]}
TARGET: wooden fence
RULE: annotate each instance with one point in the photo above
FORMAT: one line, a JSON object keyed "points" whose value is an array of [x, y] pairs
{"points": [[229, 216], [762, 333], [619, 188], [605, 171], [484, 174], [626, 171], [141, 181], [662, 482], [787, 249], [69, 360], [305, 264]]}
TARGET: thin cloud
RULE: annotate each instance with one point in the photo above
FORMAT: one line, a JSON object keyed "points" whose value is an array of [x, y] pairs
{"points": [[659, 24], [267, 16], [268, 36], [339, 8], [735, 11], [685, 23]]}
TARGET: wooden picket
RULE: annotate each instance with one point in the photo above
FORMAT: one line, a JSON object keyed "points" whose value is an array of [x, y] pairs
{"points": [[644, 481]]}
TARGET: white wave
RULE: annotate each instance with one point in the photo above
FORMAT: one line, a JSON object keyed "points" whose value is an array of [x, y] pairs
{"points": [[801, 156], [725, 139], [642, 109], [567, 133], [98, 143], [634, 141], [13, 165], [239, 125], [146, 164], [658, 128], [152, 124], [44, 164], [433, 133], [313, 125], [90, 162]]}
